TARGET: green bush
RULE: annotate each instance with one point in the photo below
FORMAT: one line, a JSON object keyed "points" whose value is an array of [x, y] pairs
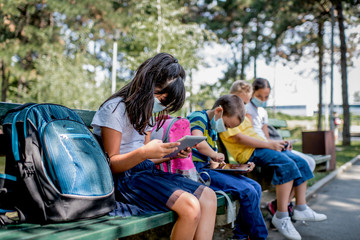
{"points": [[296, 133]]}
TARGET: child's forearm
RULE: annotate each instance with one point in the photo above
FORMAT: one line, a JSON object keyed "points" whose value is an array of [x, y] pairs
{"points": [[206, 150], [250, 141]]}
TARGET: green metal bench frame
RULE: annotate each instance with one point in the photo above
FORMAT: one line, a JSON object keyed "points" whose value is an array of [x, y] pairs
{"points": [[105, 227]]}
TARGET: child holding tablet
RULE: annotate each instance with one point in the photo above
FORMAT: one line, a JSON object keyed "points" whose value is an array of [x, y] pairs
{"points": [[124, 122], [228, 112]]}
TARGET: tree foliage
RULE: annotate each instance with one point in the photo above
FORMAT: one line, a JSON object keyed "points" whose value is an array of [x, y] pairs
{"points": [[61, 51]]}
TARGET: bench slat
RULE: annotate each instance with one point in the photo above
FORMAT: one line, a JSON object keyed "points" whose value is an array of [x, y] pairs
{"points": [[320, 158], [284, 133], [86, 116], [277, 123], [99, 228], [117, 228], [27, 230]]}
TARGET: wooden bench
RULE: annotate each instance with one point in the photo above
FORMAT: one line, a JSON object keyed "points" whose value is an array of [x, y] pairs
{"points": [[322, 161], [105, 227]]}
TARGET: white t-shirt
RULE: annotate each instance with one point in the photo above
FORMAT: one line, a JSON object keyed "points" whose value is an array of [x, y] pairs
{"points": [[259, 118], [119, 121]]}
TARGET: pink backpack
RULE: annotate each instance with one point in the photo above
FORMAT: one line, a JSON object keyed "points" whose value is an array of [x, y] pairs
{"points": [[172, 130]]}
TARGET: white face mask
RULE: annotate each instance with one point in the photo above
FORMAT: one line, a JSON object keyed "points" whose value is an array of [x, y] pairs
{"points": [[158, 107]]}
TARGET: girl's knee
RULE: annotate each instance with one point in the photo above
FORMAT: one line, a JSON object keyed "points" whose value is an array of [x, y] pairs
{"points": [[188, 206], [208, 198]]}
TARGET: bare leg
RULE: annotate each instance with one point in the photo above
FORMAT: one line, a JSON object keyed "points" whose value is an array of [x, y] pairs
{"points": [[208, 205], [188, 209], [292, 194], [282, 195], [300, 192]]}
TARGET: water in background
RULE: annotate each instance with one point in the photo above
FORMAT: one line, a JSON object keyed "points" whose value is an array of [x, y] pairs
{"points": [[300, 110]]}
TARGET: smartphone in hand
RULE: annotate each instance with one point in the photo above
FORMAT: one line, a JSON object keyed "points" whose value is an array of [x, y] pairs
{"points": [[285, 146]]}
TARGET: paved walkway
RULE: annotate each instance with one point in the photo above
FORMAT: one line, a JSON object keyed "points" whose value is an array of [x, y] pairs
{"points": [[340, 201]]}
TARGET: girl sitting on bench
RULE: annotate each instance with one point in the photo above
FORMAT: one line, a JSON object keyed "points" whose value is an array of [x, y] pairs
{"points": [[124, 123], [290, 170]]}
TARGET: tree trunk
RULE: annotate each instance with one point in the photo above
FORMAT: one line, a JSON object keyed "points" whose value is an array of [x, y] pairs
{"points": [[243, 64], [320, 44], [234, 72], [256, 45], [20, 89], [344, 85], [5, 82]]}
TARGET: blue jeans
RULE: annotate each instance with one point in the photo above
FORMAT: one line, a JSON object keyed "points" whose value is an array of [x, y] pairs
{"points": [[287, 166], [249, 220]]}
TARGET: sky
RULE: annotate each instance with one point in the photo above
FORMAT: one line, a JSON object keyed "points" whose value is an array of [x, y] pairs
{"points": [[289, 86]]}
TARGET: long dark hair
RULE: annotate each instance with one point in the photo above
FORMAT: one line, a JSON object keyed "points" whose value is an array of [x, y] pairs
{"points": [[162, 72], [260, 83]]}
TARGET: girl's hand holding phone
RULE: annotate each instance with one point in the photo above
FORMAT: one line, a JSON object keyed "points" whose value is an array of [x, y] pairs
{"points": [[277, 145], [290, 146]]}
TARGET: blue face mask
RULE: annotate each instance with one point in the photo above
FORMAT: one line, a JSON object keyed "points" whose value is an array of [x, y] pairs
{"points": [[218, 125], [158, 107], [257, 102]]}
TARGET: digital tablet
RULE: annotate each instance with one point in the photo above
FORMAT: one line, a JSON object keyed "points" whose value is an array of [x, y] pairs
{"points": [[233, 168], [185, 142]]}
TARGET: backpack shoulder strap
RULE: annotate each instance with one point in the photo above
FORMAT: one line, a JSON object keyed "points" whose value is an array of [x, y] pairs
{"points": [[166, 135]]}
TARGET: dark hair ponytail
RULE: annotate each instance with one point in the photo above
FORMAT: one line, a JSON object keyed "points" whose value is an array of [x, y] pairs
{"points": [[162, 72], [260, 83]]}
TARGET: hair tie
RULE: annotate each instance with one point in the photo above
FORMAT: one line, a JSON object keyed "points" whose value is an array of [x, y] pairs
{"points": [[175, 60]]}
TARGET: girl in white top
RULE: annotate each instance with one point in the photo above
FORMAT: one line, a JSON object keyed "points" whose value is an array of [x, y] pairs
{"points": [[255, 110], [124, 122]]}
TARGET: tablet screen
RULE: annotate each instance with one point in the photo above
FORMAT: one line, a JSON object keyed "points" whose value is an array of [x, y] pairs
{"points": [[185, 142]]}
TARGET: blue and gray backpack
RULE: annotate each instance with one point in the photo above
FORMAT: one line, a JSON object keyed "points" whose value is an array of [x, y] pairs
{"points": [[55, 169]]}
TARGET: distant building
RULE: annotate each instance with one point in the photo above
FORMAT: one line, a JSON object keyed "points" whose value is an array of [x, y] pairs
{"points": [[303, 110]]}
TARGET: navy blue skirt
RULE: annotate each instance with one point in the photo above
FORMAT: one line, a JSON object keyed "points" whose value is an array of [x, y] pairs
{"points": [[144, 189]]}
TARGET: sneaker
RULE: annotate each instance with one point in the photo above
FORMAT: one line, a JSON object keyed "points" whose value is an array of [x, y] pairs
{"points": [[308, 215], [286, 228]]}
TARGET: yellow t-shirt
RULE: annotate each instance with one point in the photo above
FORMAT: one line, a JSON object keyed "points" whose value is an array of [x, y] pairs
{"points": [[240, 152]]}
